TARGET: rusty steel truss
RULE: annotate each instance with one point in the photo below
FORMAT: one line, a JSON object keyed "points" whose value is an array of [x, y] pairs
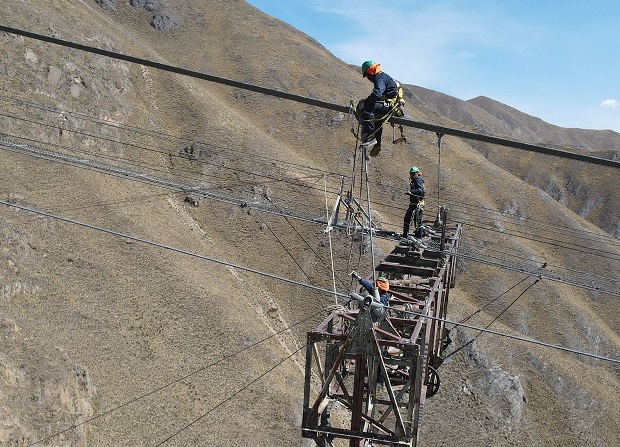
{"points": [[369, 368]]}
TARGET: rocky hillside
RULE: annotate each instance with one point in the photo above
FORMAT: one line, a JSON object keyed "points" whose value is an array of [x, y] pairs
{"points": [[117, 328]]}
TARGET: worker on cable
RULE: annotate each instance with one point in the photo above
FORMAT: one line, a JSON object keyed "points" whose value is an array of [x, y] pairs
{"points": [[383, 286], [383, 100], [416, 202]]}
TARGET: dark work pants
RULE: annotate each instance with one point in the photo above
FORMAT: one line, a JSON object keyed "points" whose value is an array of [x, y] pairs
{"points": [[369, 124], [408, 216]]}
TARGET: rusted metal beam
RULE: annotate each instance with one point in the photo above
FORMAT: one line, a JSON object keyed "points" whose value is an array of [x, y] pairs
{"points": [[403, 349]]}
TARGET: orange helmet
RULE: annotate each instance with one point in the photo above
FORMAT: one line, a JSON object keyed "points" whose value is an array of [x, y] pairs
{"points": [[383, 284], [371, 68]]}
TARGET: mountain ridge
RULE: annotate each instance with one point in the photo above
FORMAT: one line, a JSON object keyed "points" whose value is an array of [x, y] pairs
{"points": [[91, 322]]}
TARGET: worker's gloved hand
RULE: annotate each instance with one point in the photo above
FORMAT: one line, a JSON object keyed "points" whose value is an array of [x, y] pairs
{"points": [[355, 275]]}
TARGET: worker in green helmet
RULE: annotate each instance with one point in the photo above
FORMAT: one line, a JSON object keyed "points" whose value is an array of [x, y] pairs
{"points": [[416, 194], [376, 106]]}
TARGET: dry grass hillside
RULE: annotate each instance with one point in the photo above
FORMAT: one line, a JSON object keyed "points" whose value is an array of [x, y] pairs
{"points": [[587, 192], [125, 332]]}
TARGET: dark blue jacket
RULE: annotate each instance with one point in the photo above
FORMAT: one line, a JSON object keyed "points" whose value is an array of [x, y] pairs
{"points": [[385, 87], [384, 297], [416, 190]]}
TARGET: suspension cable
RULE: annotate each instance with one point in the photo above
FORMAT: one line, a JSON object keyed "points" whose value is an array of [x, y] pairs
{"points": [[439, 137], [511, 336], [174, 381], [310, 286], [372, 248], [329, 237], [239, 391], [314, 102], [494, 319]]}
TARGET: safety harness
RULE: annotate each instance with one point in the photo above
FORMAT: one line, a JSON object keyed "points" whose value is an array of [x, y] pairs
{"points": [[396, 105]]}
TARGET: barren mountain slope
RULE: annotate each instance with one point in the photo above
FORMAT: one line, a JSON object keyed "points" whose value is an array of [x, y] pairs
{"points": [[584, 189], [149, 340]]}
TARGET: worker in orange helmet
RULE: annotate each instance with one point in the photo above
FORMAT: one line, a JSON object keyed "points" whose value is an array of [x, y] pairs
{"points": [[382, 283], [376, 106]]}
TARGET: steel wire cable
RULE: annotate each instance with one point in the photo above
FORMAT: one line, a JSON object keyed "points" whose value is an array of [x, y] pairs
{"points": [[176, 185], [323, 262], [553, 242], [502, 141], [317, 173], [187, 187], [525, 228], [229, 398], [175, 381], [0, 114], [494, 319], [510, 336], [110, 204], [470, 247], [510, 254], [217, 261], [537, 223], [69, 152], [488, 303], [217, 174], [175, 139], [486, 261], [290, 255], [310, 286], [597, 287], [548, 241]]}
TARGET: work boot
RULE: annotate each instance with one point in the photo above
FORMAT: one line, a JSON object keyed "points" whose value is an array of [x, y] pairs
{"points": [[375, 150], [369, 143]]}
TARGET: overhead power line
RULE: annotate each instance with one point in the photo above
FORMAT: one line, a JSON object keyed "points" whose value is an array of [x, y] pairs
{"points": [[139, 132], [174, 381], [156, 179], [229, 398], [168, 247], [497, 317], [181, 185], [309, 286], [609, 289], [511, 336], [520, 223], [440, 130]]}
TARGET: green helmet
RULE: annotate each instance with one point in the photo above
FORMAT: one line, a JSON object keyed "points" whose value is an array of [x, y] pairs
{"points": [[414, 169], [365, 67]]}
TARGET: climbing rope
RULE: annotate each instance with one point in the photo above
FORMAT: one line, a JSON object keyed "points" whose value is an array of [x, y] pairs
{"points": [[439, 137], [372, 248], [329, 237], [354, 114]]}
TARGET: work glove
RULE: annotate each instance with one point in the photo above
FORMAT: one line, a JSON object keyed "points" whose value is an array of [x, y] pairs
{"points": [[355, 275]]}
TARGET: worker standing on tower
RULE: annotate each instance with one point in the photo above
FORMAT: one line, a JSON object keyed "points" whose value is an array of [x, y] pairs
{"points": [[416, 193]]}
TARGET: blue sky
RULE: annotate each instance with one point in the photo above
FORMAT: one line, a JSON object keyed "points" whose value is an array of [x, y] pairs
{"points": [[556, 60]]}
